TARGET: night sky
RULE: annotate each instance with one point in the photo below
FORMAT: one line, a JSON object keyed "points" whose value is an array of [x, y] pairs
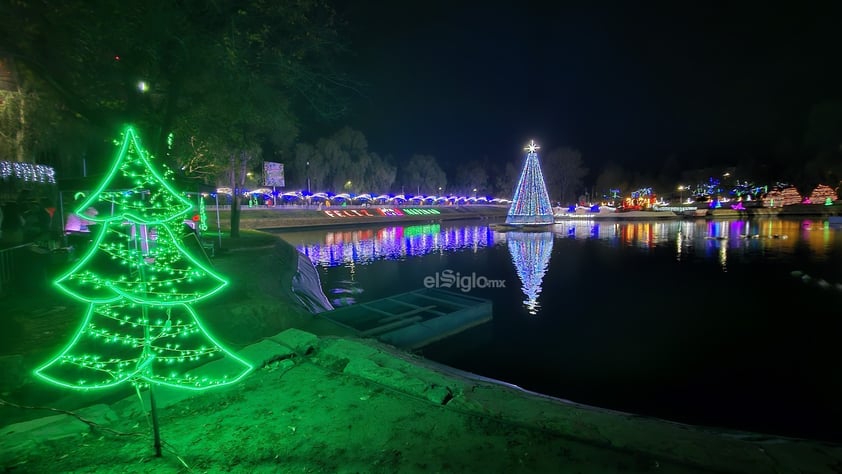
{"points": [[629, 84]]}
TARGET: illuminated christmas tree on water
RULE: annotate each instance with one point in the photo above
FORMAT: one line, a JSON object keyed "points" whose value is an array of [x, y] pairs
{"points": [[530, 253], [531, 202], [139, 280]]}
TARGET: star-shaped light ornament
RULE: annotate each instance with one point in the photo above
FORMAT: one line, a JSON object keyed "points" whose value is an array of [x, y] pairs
{"points": [[532, 147]]}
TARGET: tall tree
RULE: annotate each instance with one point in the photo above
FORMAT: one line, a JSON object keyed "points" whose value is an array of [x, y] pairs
{"points": [[338, 160], [347, 160], [422, 175], [228, 76], [108, 63], [505, 180], [269, 60], [382, 175], [612, 183], [564, 171], [469, 176]]}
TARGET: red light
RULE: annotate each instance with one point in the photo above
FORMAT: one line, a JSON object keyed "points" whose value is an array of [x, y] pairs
{"points": [[196, 218], [116, 58]]}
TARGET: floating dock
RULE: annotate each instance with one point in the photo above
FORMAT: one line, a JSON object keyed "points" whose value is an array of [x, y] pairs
{"points": [[415, 319]]}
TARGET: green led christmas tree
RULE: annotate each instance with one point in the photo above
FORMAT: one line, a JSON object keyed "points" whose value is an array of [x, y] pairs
{"points": [[139, 281]]}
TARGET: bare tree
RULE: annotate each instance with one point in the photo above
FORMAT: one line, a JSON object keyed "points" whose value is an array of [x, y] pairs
{"points": [[563, 172]]}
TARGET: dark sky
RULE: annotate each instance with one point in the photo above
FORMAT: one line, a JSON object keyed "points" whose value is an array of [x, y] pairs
{"points": [[629, 83]]}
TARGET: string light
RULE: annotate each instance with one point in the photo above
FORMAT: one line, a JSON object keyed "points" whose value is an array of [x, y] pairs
{"points": [[29, 172], [139, 280], [531, 202]]}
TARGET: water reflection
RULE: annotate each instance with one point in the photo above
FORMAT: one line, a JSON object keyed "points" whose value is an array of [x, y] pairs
{"points": [[530, 253], [725, 242], [713, 239], [628, 234], [334, 248], [703, 294]]}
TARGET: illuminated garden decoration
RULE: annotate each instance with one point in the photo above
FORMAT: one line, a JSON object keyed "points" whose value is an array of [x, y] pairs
{"points": [[139, 281], [530, 253], [823, 194], [531, 202]]}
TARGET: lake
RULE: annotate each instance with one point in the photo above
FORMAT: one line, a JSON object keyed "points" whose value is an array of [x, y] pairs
{"points": [[724, 323]]}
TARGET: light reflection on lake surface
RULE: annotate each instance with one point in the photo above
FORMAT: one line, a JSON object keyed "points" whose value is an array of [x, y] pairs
{"points": [[530, 252], [339, 247], [329, 248], [687, 320]]}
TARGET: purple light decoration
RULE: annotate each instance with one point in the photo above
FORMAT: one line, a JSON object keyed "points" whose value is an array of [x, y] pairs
{"points": [[395, 243], [530, 253], [531, 202]]}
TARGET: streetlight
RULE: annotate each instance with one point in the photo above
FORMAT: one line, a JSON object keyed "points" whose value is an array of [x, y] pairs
{"points": [[308, 176], [475, 192], [681, 188]]}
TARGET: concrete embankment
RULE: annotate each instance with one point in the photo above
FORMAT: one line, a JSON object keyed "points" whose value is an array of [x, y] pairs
{"points": [[348, 405], [285, 218], [819, 211]]}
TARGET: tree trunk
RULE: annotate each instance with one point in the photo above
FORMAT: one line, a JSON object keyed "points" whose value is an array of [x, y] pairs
{"points": [[234, 231], [20, 135], [235, 215], [161, 137], [239, 170]]}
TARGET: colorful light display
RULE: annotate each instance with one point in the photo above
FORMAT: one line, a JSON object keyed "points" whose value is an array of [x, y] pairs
{"points": [[531, 202], [383, 212], [139, 280], [394, 243], [530, 253]]}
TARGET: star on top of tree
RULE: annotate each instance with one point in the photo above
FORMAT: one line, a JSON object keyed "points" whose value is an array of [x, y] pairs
{"points": [[532, 147]]}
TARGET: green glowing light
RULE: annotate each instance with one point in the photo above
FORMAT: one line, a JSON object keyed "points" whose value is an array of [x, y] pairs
{"points": [[203, 216], [126, 188], [138, 280]]}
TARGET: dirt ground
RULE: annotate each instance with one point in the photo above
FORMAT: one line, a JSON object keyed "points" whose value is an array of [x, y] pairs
{"points": [[310, 419], [341, 405], [323, 401]]}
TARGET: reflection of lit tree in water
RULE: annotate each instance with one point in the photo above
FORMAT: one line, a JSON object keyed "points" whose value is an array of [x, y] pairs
{"points": [[531, 255]]}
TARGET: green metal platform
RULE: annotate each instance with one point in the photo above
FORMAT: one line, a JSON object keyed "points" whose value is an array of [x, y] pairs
{"points": [[415, 319]]}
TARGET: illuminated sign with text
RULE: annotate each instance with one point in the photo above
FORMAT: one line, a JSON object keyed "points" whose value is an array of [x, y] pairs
{"points": [[382, 212]]}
